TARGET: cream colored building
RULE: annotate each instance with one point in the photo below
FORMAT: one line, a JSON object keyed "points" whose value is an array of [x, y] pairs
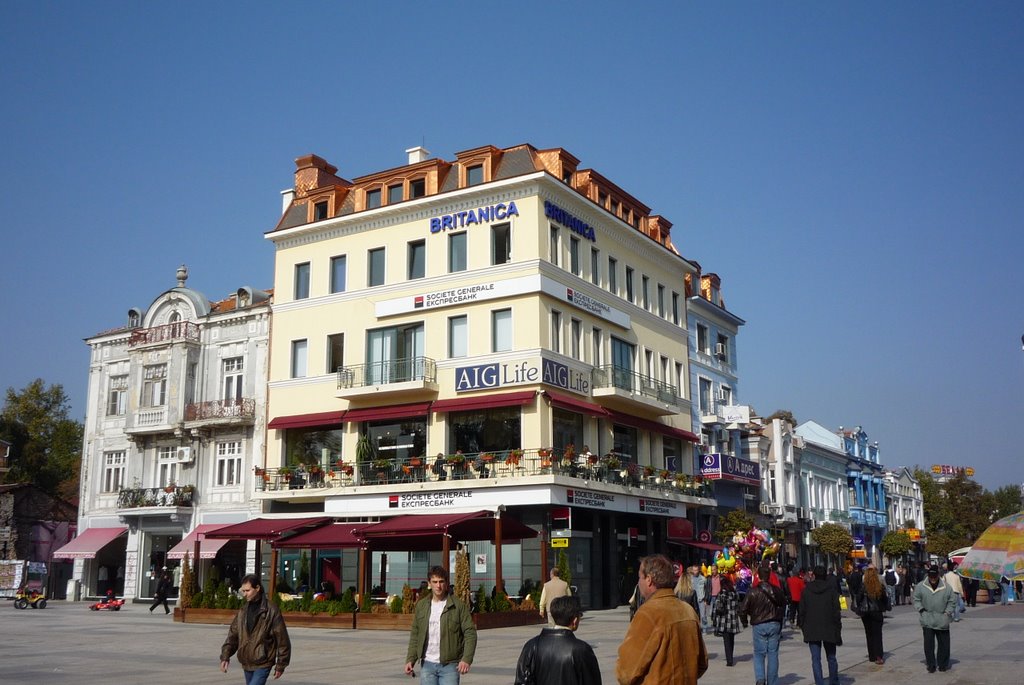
{"points": [[507, 300]]}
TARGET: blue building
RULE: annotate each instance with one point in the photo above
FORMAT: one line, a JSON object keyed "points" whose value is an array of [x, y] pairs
{"points": [[869, 517]]}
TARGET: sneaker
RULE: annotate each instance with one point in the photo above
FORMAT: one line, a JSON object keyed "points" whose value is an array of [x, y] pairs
{"points": [[931, 669], [943, 669]]}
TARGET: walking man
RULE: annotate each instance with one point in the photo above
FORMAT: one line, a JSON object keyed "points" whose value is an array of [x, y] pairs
{"points": [[163, 588], [553, 589], [765, 606], [443, 636], [557, 655], [257, 635], [952, 579], [892, 581], [664, 643], [700, 589], [822, 623], [935, 603]]}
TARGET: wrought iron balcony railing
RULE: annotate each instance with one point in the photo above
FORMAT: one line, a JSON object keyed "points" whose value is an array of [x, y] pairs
{"points": [[611, 376], [221, 409], [170, 496], [179, 330], [385, 372]]}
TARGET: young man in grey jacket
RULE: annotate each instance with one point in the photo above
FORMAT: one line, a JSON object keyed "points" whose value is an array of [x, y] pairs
{"points": [[935, 603]]}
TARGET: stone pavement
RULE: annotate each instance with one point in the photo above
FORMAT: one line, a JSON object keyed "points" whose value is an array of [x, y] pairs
{"points": [[67, 643]]}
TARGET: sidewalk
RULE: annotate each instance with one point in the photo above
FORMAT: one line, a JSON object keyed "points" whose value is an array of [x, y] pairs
{"points": [[67, 643]]}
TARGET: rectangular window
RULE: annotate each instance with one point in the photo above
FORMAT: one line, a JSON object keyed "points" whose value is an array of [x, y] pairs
{"points": [[456, 252], [649, 363], [335, 352], [680, 380], [501, 244], [167, 466], [339, 273], [375, 267], [725, 396], [229, 463], [501, 330], [234, 379], [629, 283], [704, 394], [458, 337], [614, 207], [113, 471], [576, 331], [117, 396], [417, 188], [613, 276], [556, 331], [475, 175], [553, 245], [661, 300], [675, 308], [301, 281], [299, 352], [666, 370], [320, 211], [597, 342], [394, 355], [394, 194], [417, 259], [154, 386], [703, 340], [574, 256], [595, 266], [373, 198], [645, 287], [722, 348], [623, 354]]}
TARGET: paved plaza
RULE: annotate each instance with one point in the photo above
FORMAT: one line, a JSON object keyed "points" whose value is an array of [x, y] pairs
{"points": [[67, 643]]}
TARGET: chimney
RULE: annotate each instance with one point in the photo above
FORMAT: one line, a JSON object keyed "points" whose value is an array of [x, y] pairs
{"points": [[417, 154], [287, 195]]}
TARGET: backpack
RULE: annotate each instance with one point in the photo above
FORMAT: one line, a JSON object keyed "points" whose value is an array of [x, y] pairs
{"points": [[890, 577]]}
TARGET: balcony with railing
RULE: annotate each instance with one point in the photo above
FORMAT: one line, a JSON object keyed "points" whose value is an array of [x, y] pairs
{"points": [[407, 376], [241, 412], [499, 468], [169, 500], [631, 390], [179, 331]]}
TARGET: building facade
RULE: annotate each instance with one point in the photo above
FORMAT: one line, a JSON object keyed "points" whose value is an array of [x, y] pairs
{"points": [[502, 331], [173, 427], [824, 490]]}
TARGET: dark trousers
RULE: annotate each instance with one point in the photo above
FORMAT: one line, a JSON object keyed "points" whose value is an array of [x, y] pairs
{"points": [[872, 621], [932, 636], [729, 641], [157, 601]]}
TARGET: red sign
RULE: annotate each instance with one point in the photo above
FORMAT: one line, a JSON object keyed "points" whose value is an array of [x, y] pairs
{"points": [[704, 536], [680, 529], [634, 536]]}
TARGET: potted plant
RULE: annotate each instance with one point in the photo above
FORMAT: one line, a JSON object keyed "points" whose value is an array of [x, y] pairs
{"points": [[169, 488], [346, 469], [486, 458], [415, 462], [611, 461], [457, 459], [569, 455], [514, 457], [648, 471], [381, 464], [543, 453], [286, 472]]}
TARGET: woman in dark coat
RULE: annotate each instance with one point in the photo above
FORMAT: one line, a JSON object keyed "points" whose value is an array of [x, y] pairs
{"points": [[871, 604], [821, 621], [726, 617]]}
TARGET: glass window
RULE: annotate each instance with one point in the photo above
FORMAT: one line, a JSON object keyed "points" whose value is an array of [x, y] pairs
{"points": [[229, 463], [566, 429], [576, 331], [629, 283], [680, 380], [613, 277], [489, 430], [661, 300], [320, 211], [623, 354], [395, 354], [113, 471], [597, 341], [373, 198], [645, 284], [167, 466], [501, 330], [672, 453], [675, 308], [625, 443], [335, 352], [234, 379], [704, 394], [339, 267], [417, 259], [301, 281], [417, 188], [154, 386], [375, 263], [458, 334], [299, 358], [398, 441], [553, 245], [394, 194], [501, 243], [702, 339], [456, 252], [314, 445], [595, 268], [574, 256], [475, 175], [117, 395], [556, 331], [722, 348]]}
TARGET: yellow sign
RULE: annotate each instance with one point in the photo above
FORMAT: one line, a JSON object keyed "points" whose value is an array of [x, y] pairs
{"points": [[859, 554], [913, 533], [559, 542]]}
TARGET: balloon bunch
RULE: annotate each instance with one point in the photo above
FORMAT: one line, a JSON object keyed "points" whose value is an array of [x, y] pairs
{"points": [[746, 550]]}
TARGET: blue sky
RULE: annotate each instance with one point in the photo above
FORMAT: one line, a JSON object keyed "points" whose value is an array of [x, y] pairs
{"points": [[853, 172]]}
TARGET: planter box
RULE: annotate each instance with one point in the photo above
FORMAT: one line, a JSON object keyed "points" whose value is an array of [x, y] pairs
{"points": [[224, 617], [507, 619], [373, 621], [403, 622]]}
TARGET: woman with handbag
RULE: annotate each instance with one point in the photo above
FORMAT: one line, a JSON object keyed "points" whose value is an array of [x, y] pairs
{"points": [[726, 617], [871, 603]]}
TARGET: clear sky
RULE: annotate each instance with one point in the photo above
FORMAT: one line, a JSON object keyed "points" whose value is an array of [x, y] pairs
{"points": [[852, 171]]}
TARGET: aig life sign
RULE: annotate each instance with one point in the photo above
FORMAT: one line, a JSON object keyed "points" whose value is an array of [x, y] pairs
{"points": [[503, 374]]}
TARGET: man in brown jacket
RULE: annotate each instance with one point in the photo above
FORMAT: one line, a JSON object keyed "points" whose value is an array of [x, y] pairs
{"points": [[258, 635], [664, 644]]}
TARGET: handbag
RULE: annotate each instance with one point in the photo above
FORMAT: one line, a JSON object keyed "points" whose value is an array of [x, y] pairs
{"points": [[843, 603]]}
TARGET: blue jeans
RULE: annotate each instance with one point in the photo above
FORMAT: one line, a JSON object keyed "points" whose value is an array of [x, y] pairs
{"points": [[833, 664], [257, 677], [766, 645], [433, 673]]}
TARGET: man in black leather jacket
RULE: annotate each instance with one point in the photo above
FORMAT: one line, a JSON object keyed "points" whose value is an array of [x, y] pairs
{"points": [[557, 656]]}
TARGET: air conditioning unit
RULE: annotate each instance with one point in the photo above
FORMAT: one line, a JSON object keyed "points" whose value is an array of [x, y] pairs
{"points": [[184, 455], [723, 396], [720, 350]]}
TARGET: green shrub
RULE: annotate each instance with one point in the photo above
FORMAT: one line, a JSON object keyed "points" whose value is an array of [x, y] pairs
{"points": [[366, 606], [395, 605], [338, 606], [501, 602], [197, 600], [347, 603], [483, 602], [223, 595]]}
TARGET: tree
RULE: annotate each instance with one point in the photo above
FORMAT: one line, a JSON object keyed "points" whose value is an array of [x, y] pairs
{"points": [[188, 583], [462, 590], [45, 444], [564, 572], [784, 414], [833, 540], [895, 544], [735, 521], [956, 512], [1007, 501]]}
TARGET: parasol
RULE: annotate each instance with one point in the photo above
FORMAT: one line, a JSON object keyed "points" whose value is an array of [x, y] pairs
{"points": [[999, 551]]}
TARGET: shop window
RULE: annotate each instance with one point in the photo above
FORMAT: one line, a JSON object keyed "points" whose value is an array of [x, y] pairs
{"points": [[491, 430]]}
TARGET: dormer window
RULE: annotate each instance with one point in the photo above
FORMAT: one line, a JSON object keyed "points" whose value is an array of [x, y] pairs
{"points": [[417, 188], [474, 175], [395, 194], [320, 211], [175, 317], [373, 198]]}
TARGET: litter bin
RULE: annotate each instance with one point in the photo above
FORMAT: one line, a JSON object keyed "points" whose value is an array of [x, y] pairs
{"points": [[74, 590]]}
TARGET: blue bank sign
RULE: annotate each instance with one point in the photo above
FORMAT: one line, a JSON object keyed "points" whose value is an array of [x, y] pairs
{"points": [[525, 372], [727, 467], [480, 215]]}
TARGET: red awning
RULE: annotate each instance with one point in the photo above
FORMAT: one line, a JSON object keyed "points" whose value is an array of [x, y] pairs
{"points": [[573, 404], [396, 411], [702, 545], [207, 548], [506, 399], [88, 543], [327, 418], [266, 529], [647, 424], [418, 532], [334, 536]]}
